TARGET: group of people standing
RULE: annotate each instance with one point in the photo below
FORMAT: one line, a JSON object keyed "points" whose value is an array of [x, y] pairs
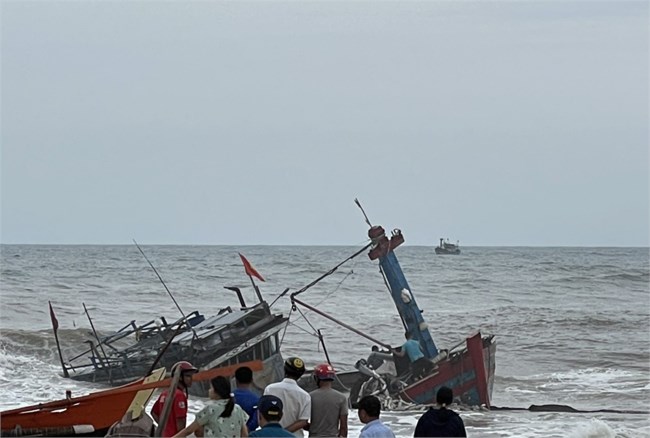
{"points": [[229, 414], [287, 410]]}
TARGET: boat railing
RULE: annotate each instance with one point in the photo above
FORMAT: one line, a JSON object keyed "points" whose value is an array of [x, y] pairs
{"points": [[144, 333]]}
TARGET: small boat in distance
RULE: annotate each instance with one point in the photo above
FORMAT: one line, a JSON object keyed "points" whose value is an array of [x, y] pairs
{"points": [[447, 248]]}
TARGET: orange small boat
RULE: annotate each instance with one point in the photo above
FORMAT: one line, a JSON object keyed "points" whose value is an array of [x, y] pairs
{"points": [[93, 414]]}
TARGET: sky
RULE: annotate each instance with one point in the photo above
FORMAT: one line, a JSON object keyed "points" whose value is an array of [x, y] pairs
{"points": [[495, 123]]}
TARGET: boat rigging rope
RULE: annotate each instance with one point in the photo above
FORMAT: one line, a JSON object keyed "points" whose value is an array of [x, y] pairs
{"points": [[330, 293], [313, 333], [331, 271], [304, 330], [410, 400], [304, 288], [321, 341], [306, 320], [284, 332]]}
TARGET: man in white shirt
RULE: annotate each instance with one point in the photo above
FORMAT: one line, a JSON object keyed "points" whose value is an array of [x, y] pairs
{"points": [[369, 411], [296, 401]]}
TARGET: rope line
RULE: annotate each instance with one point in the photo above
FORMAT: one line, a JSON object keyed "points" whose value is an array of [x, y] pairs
{"points": [[335, 289], [284, 332], [307, 321]]}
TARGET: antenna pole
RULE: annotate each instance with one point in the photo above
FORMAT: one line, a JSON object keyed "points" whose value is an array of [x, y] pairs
{"points": [[356, 201], [99, 342], [166, 288]]}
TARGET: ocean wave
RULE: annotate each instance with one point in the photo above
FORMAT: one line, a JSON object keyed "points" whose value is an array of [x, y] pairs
{"points": [[563, 317], [642, 277], [593, 428]]}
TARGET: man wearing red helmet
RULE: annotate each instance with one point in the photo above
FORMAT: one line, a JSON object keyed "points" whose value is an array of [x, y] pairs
{"points": [[329, 408], [178, 414]]}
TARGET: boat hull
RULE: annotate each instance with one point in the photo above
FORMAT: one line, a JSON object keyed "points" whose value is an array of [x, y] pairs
{"points": [[98, 410], [94, 414], [469, 372], [443, 251]]}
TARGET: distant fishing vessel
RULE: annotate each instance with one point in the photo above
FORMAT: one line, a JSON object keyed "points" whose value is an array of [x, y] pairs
{"points": [[446, 247]]}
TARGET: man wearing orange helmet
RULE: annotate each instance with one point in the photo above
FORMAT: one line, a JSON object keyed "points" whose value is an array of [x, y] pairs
{"points": [[178, 414], [329, 408], [297, 403]]}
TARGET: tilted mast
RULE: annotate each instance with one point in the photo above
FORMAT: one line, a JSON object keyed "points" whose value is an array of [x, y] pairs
{"points": [[382, 249]]}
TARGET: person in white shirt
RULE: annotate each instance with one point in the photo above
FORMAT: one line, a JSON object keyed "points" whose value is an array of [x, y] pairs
{"points": [[369, 411], [296, 401]]}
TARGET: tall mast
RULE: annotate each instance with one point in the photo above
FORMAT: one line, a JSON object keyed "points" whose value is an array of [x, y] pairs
{"points": [[382, 249]]}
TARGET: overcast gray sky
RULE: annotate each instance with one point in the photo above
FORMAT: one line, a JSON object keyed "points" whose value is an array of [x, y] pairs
{"points": [[496, 123]]}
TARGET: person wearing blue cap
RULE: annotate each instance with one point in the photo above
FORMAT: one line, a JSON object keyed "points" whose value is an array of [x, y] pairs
{"points": [[269, 414]]}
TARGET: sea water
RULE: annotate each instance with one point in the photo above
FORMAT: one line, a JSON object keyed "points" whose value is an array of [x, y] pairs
{"points": [[572, 325]]}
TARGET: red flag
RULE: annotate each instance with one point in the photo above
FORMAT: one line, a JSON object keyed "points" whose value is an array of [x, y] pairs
{"points": [[250, 271], [55, 322]]}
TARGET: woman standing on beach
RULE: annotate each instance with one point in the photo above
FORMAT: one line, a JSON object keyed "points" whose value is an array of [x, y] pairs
{"points": [[221, 418], [441, 421]]}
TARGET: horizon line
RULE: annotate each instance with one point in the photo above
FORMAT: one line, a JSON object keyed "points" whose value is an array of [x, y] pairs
{"points": [[323, 245]]}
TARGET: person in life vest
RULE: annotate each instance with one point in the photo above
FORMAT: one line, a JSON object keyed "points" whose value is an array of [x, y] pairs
{"points": [[178, 415]]}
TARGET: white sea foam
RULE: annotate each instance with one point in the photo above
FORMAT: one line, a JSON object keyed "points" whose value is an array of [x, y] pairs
{"points": [[560, 339], [595, 380], [594, 428]]}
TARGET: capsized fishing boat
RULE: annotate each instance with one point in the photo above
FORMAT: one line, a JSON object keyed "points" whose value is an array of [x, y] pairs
{"points": [[468, 368], [232, 336], [93, 414], [445, 247]]}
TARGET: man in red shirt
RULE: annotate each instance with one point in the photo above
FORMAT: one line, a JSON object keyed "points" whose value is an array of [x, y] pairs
{"points": [[178, 413]]}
